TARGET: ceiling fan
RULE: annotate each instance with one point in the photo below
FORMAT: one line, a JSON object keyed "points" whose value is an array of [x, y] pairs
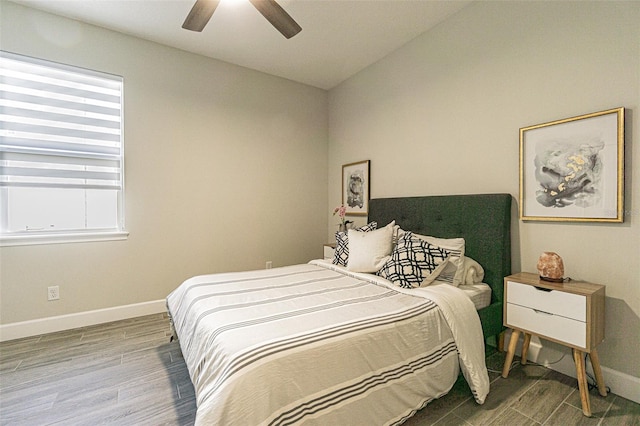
{"points": [[203, 9]]}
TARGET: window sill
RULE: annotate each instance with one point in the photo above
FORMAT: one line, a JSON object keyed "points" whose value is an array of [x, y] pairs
{"points": [[84, 237]]}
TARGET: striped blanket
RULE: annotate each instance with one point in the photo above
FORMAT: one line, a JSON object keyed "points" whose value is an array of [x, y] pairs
{"points": [[315, 344]]}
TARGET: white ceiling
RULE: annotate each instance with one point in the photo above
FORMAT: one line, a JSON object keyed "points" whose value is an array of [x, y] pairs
{"points": [[338, 38]]}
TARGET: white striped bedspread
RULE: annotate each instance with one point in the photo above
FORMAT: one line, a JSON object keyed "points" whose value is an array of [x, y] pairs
{"points": [[314, 344]]}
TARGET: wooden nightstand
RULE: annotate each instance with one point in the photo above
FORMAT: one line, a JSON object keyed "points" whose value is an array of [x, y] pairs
{"points": [[329, 249], [570, 313]]}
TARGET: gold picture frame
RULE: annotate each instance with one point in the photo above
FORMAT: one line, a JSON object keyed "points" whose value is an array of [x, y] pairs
{"points": [[573, 169], [355, 188]]}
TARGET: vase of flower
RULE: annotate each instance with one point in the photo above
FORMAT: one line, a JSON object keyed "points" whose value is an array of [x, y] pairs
{"points": [[344, 224]]}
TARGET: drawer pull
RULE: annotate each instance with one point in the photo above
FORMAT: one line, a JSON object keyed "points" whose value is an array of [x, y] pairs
{"points": [[542, 312], [543, 289]]}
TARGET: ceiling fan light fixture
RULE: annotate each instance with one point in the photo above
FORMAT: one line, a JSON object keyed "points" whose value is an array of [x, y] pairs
{"points": [[202, 11]]}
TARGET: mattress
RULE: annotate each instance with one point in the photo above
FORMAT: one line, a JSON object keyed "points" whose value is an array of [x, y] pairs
{"points": [[480, 294]]}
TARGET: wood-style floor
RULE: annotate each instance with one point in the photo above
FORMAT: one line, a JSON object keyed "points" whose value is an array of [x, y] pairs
{"points": [[127, 373]]}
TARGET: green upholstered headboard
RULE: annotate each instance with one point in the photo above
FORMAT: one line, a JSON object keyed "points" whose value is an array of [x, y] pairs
{"points": [[483, 220]]}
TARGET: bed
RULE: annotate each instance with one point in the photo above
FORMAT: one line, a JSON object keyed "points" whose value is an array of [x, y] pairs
{"points": [[319, 343]]}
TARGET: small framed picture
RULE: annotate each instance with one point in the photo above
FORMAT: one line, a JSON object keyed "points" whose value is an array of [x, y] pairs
{"points": [[355, 188], [573, 169]]}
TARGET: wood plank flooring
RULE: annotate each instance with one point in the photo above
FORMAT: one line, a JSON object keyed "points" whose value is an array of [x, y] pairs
{"points": [[127, 373]]}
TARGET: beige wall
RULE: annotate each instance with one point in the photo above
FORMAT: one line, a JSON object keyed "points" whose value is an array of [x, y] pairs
{"points": [[225, 169], [441, 116]]}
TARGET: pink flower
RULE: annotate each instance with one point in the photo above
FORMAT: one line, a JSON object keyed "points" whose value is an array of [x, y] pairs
{"points": [[341, 211]]}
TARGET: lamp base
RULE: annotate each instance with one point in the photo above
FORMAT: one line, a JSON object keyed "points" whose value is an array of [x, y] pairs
{"points": [[553, 280]]}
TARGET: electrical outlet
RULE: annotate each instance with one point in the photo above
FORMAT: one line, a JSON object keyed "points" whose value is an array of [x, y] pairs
{"points": [[269, 264], [53, 292]]}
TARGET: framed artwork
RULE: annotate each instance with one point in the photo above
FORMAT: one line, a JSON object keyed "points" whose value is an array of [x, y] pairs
{"points": [[573, 169], [355, 188]]}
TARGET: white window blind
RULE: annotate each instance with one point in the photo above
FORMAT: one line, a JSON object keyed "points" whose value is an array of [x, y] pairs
{"points": [[60, 129]]}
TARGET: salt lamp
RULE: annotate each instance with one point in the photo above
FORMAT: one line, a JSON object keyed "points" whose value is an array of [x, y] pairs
{"points": [[551, 267]]}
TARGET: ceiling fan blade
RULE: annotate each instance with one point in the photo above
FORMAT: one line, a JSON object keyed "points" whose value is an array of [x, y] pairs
{"points": [[200, 14], [278, 17]]}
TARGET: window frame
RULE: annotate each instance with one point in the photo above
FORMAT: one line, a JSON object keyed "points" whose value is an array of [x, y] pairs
{"points": [[28, 237]]}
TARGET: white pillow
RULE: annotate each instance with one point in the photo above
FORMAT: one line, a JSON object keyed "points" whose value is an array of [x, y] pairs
{"points": [[341, 253], [368, 251], [473, 271], [453, 272]]}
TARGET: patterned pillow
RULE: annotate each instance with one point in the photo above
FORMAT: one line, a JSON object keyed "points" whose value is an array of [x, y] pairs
{"points": [[413, 261], [341, 253], [453, 272]]}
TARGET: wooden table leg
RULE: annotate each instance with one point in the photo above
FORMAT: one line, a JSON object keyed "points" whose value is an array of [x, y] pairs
{"points": [[510, 352], [597, 371], [525, 348], [578, 357]]}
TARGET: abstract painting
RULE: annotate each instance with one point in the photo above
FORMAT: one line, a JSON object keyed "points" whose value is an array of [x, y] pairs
{"points": [[355, 188], [573, 169]]}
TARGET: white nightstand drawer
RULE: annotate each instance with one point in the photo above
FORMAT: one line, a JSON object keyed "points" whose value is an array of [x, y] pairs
{"points": [[555, 302], [547, 325]]}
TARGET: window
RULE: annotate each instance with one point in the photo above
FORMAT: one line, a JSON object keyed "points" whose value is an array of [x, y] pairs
{"points": [[61, 153]]}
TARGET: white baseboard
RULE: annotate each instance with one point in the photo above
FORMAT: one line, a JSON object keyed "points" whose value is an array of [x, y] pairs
{"points": [[36, 327], [560, 359]]}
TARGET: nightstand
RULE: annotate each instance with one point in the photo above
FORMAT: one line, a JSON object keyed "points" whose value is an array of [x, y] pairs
{"points": [[570, 313], [329, 249]]}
